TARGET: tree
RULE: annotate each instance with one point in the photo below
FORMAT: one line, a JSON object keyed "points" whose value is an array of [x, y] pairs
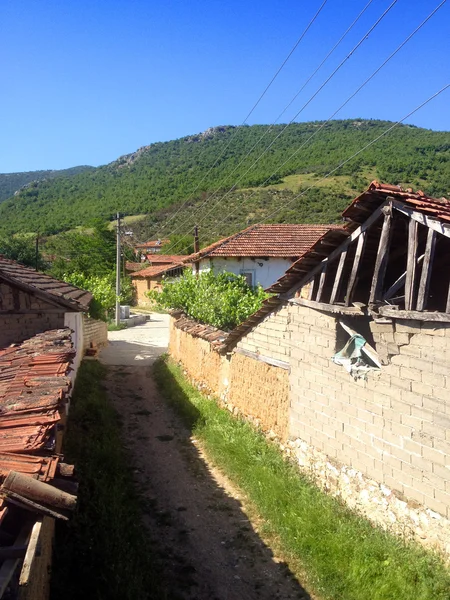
{"points": [[22, 248]]}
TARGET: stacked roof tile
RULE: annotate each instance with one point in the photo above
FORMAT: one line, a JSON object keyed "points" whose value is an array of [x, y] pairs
{"points": [[52, 289]]}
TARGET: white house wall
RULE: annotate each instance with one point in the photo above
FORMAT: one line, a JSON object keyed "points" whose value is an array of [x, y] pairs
{"points": [[266, 271]]}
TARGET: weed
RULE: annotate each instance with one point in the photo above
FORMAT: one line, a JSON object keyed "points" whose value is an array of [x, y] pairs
{"points": [[342, 554], [102, 552]]}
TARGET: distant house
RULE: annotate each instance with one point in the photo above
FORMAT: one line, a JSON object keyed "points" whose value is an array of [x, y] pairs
{"points": [[149, 248], [262, 253], [151, 277]]}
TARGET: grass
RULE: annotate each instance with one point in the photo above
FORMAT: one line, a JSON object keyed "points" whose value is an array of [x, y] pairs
{"points": [[113, 327], [102, 552], [343, 555]]}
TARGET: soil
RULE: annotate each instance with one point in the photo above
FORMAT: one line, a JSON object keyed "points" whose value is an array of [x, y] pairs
{"points": [[207, 547]]}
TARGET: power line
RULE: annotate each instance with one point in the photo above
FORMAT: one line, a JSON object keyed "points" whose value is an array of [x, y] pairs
{"points": [[355, 154], [383, 64], [286, 107], [283, 64], [335, 71]]}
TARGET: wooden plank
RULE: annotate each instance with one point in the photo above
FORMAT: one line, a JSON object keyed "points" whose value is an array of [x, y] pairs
{"points": [[353, 237], [30, 554], [334, 308], [338, 278], [382, 258], [355, 267], [399, 282], [389, 311], [424, 284], [322, 278], [411, 259], [435, 224], [311, 288], [9, 566], [265, 359]]}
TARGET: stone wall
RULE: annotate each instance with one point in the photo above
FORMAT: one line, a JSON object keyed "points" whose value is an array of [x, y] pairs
{"points": [[19, 326], [95, 333]]}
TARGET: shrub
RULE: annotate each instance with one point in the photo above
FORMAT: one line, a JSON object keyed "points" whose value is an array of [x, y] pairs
{"points": [[220, 299]]}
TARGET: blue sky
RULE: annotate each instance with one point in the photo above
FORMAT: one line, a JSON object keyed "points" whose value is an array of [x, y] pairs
{"points": [[85, 82]]}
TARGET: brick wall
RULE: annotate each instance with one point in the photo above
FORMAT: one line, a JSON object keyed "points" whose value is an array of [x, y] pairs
{"points": [[251, 387], [271, 337], [19, 327], [394, 427], [260, 391], [95, 332]]}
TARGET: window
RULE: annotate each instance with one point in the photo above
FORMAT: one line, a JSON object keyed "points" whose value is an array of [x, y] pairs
{"points": [[249, 277]]}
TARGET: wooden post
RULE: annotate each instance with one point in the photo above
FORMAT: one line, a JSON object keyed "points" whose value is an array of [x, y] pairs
{"points": [[356, 261], [411, 259], [427, 266], [382, 256], [337, 279], [323, 274]]}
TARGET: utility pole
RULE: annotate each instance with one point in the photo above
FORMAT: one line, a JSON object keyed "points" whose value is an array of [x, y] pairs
{"points": [[118, 271], [196, 249], [36, 252]]}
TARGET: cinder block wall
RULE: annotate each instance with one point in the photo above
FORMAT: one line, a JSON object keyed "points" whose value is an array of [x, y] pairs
{"points": [[270, 337], [19, 327], [94, 332], [394, 427]]}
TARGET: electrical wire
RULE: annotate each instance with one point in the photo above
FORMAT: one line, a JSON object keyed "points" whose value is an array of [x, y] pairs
{"points": [[283, 64], [407, 39], [335, 71]]}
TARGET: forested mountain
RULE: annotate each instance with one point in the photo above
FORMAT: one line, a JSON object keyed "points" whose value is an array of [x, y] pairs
{"points": [[162, 175], [13, 182]]}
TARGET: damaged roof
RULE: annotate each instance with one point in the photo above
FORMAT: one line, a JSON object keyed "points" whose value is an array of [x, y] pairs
{"points": [[42, 285], [279, 240]]}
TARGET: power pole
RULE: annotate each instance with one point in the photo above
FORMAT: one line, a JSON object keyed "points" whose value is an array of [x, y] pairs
{"points": [[118, 271], [196, 249], [36, 253]]}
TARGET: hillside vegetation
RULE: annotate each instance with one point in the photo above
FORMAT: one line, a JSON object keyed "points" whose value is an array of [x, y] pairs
{"points": [[13, 182], [164, 175]]}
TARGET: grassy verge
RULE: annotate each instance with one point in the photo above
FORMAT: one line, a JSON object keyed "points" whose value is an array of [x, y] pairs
{"points": [[102, 552], [343, 555], [113, 327]]}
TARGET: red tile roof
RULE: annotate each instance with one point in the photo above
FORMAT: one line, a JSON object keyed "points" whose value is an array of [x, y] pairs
{"points": [[167, 258], [134, 266], [43, 285], [376, 194], [284, 241], [153, 244], [156, 270]]}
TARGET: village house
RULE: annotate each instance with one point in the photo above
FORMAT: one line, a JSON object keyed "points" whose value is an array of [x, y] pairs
{"points": [[348, 363], [148, 249], [150, 278], [261, 253], [42, 340]]}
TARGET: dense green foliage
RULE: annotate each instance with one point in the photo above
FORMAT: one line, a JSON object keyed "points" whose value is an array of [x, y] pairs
{"points": [[22, 248], [12, 182], [103, 551], [339, 554], [87, 260], [165, 174], [223, 300]]}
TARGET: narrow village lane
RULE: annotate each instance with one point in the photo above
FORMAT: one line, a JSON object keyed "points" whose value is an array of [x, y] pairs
{"points": [[207, 548]]}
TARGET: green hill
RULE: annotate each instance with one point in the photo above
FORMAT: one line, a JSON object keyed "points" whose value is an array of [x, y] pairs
{"points": [[13, 182], [164, 175]]}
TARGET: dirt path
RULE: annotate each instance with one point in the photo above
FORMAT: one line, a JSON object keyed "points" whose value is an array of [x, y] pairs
{"points": [[207, 548]]}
